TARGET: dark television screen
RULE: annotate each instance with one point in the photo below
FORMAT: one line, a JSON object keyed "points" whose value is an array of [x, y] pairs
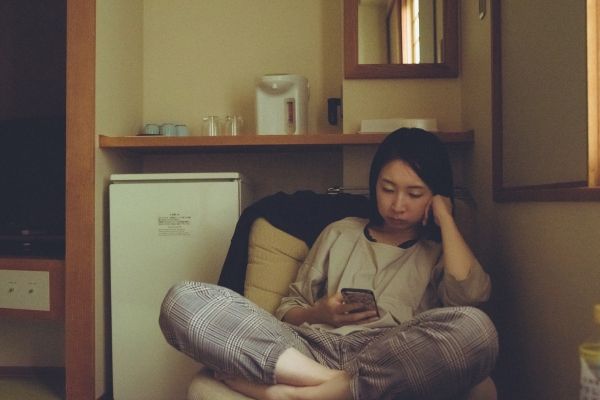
{"points": [[32, 185]]}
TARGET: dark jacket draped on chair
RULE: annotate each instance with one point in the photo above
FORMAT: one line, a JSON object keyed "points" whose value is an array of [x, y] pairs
{"points": [[303, 214]]}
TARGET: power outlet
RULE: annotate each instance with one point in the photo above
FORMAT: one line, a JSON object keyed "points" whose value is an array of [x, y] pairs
{"points": [[25, 290]]}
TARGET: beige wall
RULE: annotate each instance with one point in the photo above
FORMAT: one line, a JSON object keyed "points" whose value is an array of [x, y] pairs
{"points": [[118, 111], [547, 265], [204, 58], [402, 98], [476, 111]]}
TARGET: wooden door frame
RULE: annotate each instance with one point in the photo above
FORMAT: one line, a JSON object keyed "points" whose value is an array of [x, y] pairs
{"points": [[80, 341]]}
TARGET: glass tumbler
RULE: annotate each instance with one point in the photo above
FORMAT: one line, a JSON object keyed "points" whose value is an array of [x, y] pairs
{"points": [[211, 126], [233, 125]]}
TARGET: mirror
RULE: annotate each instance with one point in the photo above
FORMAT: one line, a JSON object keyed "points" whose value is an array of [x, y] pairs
{"points": [[400, 39], [540, 101], [400, 32]]}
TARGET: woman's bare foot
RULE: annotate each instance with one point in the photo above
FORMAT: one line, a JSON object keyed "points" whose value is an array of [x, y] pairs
{"points": [[337, 388], [298, 377], [259, 391]]}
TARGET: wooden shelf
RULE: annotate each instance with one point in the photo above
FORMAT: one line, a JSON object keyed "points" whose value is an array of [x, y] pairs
{"points": [[206, 143]]}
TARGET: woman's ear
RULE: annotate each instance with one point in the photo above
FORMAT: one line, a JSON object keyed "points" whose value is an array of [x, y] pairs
{"points": [[428, 214]]}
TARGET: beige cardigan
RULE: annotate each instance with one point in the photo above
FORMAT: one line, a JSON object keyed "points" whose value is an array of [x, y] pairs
{"points": [[406, 282]]}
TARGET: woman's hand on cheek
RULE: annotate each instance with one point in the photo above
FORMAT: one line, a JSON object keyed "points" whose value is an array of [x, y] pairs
{"points": [[441, 207]]}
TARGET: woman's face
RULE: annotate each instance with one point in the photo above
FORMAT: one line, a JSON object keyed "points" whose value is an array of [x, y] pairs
{"points": [[402, 197]]}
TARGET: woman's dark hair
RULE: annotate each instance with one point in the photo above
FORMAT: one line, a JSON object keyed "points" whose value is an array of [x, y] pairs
{"points": [[426, 155]]}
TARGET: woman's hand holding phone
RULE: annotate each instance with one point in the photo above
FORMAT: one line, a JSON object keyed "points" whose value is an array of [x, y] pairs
{"points": [[334, 311]]}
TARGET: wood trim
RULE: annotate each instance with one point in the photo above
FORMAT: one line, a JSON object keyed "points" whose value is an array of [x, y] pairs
{"points": [[56, 268], [350, 37], [80, 201], [593, 43], [497, 145]]}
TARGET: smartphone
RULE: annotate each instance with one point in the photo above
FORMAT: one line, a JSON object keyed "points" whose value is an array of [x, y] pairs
{"points": [[362, 296]]}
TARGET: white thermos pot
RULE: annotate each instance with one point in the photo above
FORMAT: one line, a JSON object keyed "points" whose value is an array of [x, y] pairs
{"points": [[282, 105]]}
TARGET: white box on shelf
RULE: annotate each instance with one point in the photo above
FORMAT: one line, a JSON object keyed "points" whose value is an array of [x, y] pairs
{"points": [[386, 125]]}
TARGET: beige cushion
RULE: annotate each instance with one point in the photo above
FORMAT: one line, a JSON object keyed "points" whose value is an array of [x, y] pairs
{"points": [[274, 257]]}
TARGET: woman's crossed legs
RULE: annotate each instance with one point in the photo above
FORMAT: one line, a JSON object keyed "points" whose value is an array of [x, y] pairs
{"points": [[441, 352]]}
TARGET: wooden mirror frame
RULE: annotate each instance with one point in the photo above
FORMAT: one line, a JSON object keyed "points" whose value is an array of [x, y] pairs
{"points": [[566, 191], [354, 70]]}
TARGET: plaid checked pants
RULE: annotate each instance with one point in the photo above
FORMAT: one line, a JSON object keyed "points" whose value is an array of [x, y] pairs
{"points": [[439, 354]]}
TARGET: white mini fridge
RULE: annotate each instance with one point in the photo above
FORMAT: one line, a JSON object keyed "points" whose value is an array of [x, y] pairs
{"points": [[164, 228]]}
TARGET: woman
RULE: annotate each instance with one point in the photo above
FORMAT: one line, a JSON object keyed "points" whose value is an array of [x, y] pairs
{"points": [[424, 341]]}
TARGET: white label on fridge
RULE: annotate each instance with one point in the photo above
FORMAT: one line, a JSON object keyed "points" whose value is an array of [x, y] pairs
{"points": [[174, 224]]}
